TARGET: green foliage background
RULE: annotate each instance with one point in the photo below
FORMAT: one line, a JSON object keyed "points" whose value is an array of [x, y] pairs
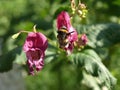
{"points": [[102, 26]]}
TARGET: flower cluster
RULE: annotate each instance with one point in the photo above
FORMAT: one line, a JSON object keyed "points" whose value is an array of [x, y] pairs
{"points": [[36, 43], [79, 9]]}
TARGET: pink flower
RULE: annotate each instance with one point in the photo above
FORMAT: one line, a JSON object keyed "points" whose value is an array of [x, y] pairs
{"points": [[34, 47], [82, 41], [67, 35], [63, 19]]}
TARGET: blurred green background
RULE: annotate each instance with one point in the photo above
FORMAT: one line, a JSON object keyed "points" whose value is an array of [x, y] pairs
{"points": [[16, 15]]}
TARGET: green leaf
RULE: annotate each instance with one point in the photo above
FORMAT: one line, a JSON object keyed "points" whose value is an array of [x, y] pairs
{"points": [[21, 58], [90, 81], [51, 52], [101, 35], [50, 55], [90, 62]]}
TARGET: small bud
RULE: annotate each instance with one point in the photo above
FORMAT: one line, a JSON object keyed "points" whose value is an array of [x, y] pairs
{"points": [[79, 12], [73, 6], [34, 28], [81, 6], [84, 13], [16, 35]]}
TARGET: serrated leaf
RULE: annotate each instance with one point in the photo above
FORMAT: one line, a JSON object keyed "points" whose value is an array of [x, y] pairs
{"points": [[90, 62], [101, 35], [90, 81]]}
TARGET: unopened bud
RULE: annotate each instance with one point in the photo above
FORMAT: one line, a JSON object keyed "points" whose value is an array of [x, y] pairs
{"points": [[79, 12], [34, 28], [16, 35], [81, 6], [73, 6]]}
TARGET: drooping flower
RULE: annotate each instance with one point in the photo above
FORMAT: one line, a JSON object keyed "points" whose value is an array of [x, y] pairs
{"points": [[34, 47], [67, 35]]}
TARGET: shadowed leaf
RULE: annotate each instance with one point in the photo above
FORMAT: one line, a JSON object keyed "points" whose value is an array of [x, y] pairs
{"points": [[90, 62], [7, 59]]}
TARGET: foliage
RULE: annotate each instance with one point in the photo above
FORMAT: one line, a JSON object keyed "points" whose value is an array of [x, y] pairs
{"points": [[86, 69], [91, 65]]}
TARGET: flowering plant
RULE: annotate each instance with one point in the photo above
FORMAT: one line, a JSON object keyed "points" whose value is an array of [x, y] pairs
{"points": [[71, 50]]}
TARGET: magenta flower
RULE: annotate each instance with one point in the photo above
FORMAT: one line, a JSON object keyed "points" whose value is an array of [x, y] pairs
{"points": [[63, 20], [82, 41], [67, 35], [34, 47]]}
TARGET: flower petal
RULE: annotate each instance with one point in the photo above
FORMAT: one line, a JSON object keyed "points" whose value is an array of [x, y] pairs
{"points": [[63, 20], [35, 40]]}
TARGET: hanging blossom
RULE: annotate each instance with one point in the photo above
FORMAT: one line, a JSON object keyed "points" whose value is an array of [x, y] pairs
{"points": [[34, 47], [67, 35]]}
